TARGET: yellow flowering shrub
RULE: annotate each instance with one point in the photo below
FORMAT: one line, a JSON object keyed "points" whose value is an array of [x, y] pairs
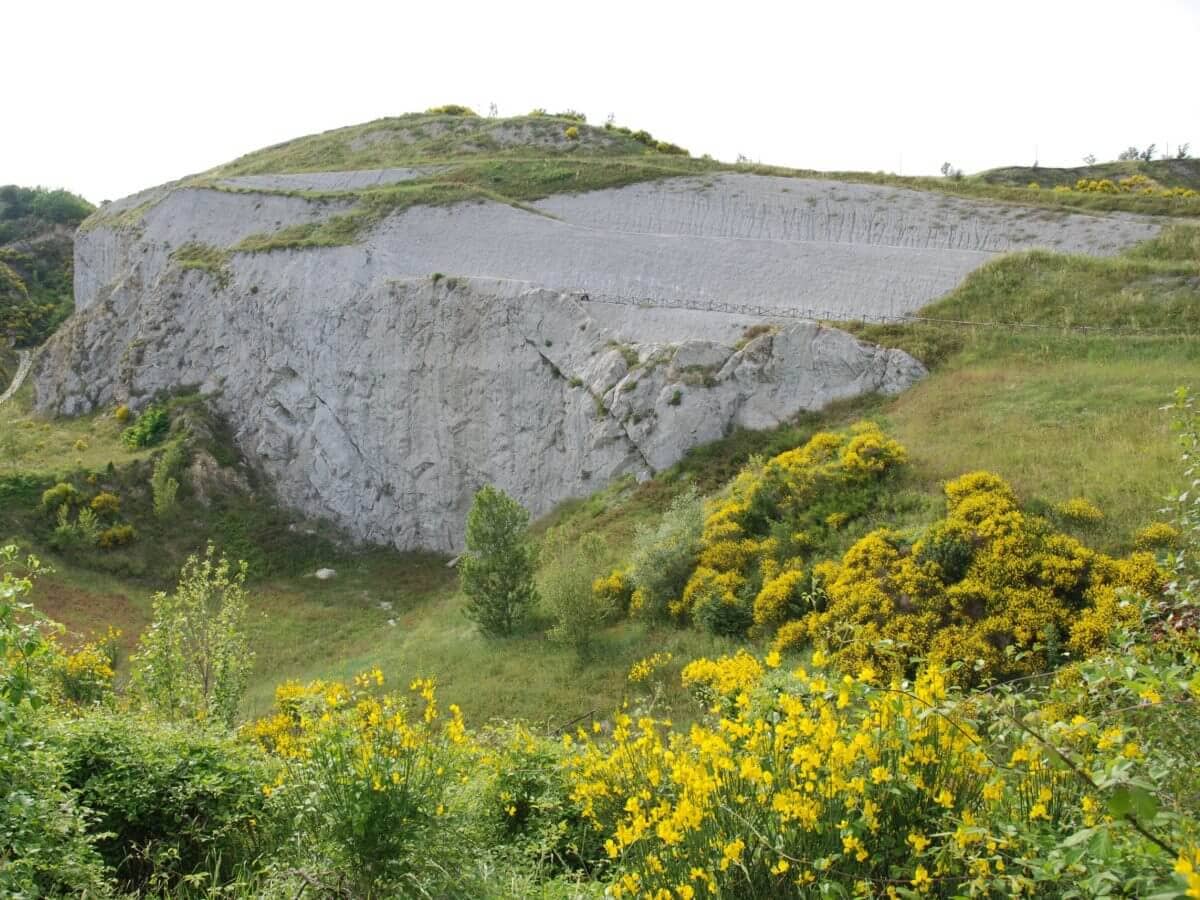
{"points": [[1080, 509], [796, 782], [987, 586], [615, 590], [805, 777], [779, 597], [774, 513], [373, 774], [86, 675], [1133, 184], [1156, 535]]}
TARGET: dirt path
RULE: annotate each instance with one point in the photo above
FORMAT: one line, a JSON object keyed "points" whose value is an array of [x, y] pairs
{"points": [[24, 361]]}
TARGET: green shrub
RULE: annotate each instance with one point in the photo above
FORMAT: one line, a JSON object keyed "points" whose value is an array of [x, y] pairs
{"points": [[572, 133], [193, 661], [726, 616], [664, 556], [496, 572], [68, 534], [169, 799], [566, 589], [59, 495], [46, 845], [150, 428], [164, 486], [526, 802], [45, 849]]}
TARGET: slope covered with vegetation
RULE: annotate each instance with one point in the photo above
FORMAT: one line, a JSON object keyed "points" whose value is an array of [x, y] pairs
{"points": [[36, 227], [842, 602]]}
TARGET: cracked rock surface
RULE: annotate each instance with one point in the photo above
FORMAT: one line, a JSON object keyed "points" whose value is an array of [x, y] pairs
{"points": [[583, 338], [385, 407]]}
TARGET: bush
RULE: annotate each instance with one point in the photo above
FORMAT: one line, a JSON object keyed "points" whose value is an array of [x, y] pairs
{"points": [[193, 660], [169, 800], [106, 504], [1156, 535], [45, 848], [572, 133], [1080, 510], [85, 677], [370, 782], [614, 590], [496, 571], [122, 413], [566, 587], [46, 842], [164, 486], [451, 109], [150, 428], [818, 782], [663, 556], [115, 536], [61, 494]]}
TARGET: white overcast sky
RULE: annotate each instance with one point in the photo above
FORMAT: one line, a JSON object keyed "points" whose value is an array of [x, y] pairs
{"points": [[108, 98]]}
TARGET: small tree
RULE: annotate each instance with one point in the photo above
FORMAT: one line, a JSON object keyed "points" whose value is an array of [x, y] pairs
{"points": [[664, 556], [193, 661], [566, 588], [1183, 151], [496, 572]]}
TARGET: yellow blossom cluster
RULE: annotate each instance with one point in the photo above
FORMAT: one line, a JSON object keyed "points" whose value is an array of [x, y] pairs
{"points": [[1133, 184], [988, 586], [1081, 510], [806, 779], [750, 566], [86, 675]]}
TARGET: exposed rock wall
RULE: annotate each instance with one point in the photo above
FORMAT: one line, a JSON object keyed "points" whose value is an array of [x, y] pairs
{"points": [[385, 407], [382, 397]]}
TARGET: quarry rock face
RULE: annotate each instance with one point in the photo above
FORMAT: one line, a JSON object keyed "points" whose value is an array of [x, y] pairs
{"points": [[585, 338], [387, 410]]}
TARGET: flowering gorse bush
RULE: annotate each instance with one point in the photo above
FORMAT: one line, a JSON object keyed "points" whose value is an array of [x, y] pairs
{"points": [[750, 566], [810, 783], [371, 775]]}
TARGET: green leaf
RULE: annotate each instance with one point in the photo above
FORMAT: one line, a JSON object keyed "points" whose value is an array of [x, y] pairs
{"points": [[1120, 802], [1078, 837], [1145, 804]]}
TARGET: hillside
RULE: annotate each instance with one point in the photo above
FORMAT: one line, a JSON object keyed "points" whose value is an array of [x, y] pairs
{"points": [[848, 571], [1165, 173], [36, 249]]}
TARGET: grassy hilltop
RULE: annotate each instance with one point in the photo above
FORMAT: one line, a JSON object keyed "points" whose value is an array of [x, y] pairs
{"points": [[1038, 731]]}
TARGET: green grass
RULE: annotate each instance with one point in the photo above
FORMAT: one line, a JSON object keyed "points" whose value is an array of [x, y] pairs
{"points": [[424, 138], [205, 258], [512, 181], [32, 445]]}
